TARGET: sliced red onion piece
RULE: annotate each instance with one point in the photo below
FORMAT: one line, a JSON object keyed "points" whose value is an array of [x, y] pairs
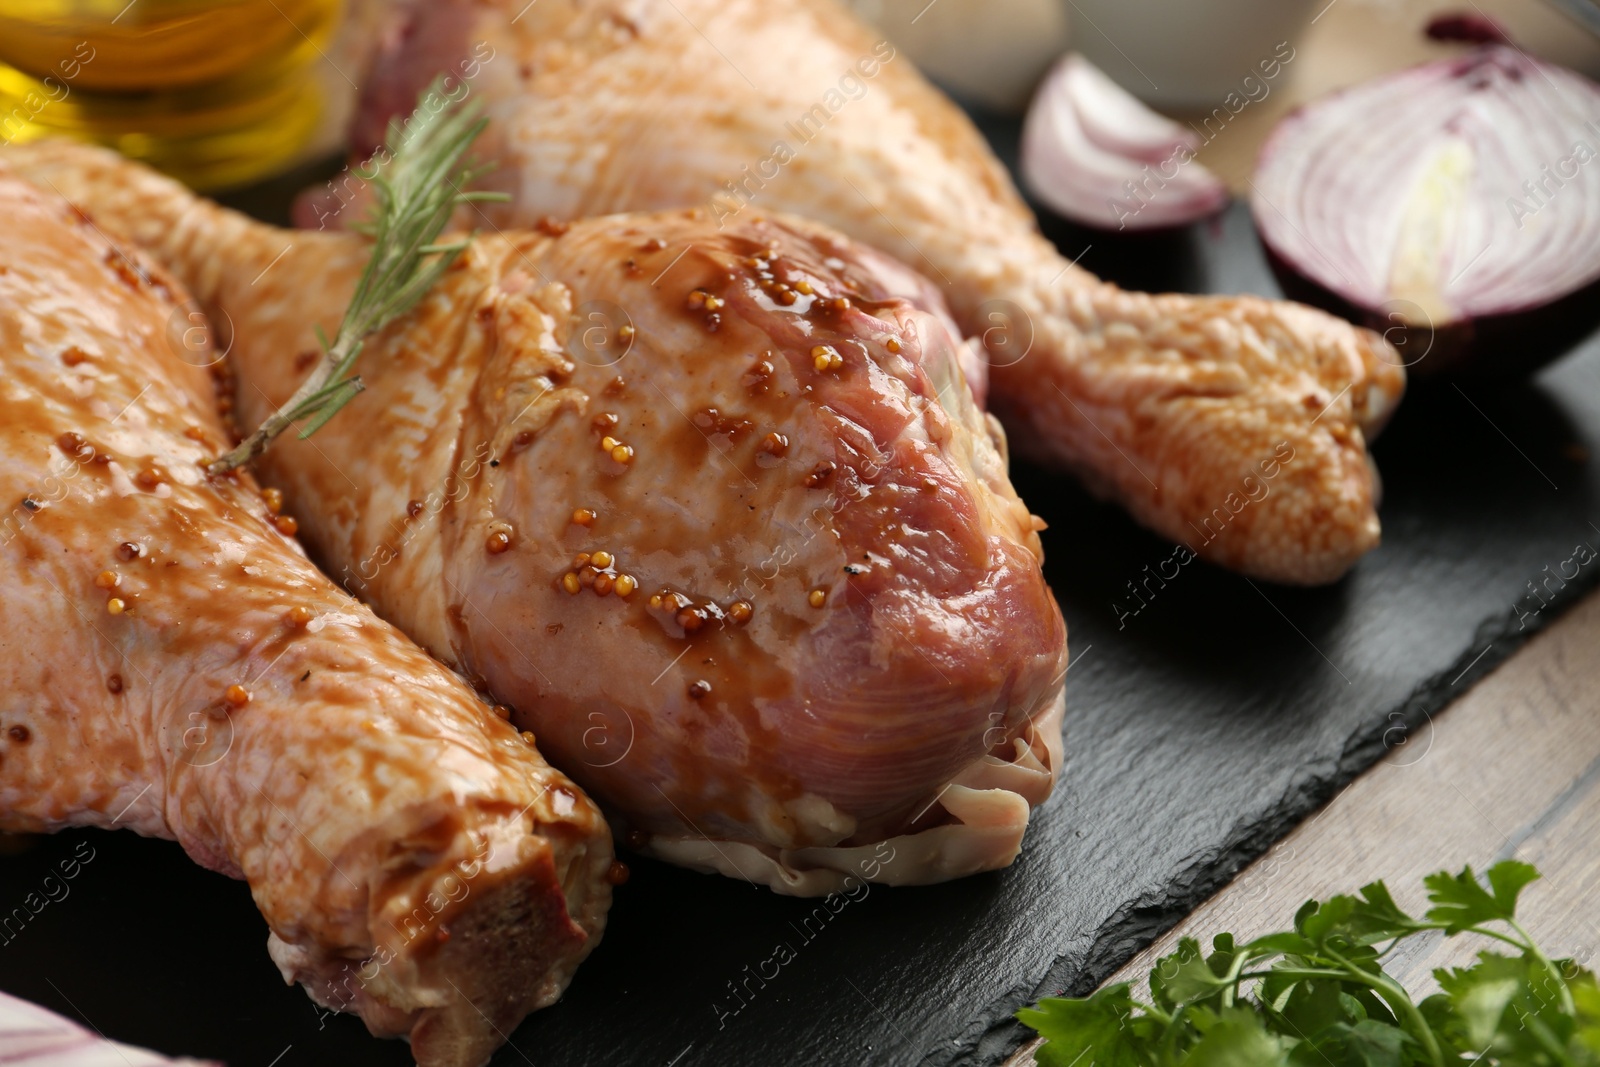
{"points": [[1454, 205], [1473, 27], [1094, 153], [34, 1037]]}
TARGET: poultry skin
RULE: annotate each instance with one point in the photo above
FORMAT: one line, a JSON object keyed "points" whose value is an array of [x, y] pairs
{"points": [[713, 509], [1175, 406], [174, 665]]}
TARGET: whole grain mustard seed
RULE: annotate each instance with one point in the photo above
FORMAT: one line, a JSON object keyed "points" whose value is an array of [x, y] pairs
{"points": [[616, 449], [702, 300], [817, 598], [826, 358], [819, 474]]}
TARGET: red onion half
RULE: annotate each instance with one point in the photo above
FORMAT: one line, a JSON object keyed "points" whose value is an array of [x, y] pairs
{"points": [[1455, 206], [1094, 153]]}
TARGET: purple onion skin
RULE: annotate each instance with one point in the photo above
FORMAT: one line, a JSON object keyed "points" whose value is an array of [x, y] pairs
{"points": [[1473, 97], [1503, 347], [1472, 27]]}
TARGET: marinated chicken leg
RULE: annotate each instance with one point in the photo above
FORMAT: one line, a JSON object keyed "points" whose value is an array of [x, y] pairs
{"points": [[1175, 406], [172, 664], [713, 509]]}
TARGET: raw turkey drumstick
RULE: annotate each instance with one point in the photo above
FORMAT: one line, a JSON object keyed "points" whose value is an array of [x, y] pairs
{"points": [[713, 510], [1235, 425], [172, 664]]}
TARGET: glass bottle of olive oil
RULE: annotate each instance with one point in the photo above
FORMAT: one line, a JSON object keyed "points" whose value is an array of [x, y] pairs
{"points": [[214, 92]]}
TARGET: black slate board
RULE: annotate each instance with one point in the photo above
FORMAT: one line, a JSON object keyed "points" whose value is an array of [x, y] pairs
{"points": [[1197, 734]]}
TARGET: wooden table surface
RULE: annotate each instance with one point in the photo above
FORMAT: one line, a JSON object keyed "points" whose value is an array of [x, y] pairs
{"points": [[1511, 769]]}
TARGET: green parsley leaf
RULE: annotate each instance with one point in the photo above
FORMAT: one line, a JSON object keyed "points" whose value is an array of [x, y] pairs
{"points": [[1459, 901], [1441, 1015], [1482, 993], [1312, 1007], [1371, 918], [1183, 977], [1097, 1030], [1377, 918], [1365, 1044], [1286, 943], [1238, 1038], [1324, 920], [1317, 995], [1586, 1010]]}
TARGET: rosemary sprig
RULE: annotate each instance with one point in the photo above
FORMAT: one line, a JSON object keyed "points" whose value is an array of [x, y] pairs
{"points": [[415, 200]]}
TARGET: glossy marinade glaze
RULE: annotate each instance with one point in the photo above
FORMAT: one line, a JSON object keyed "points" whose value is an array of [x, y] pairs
{"points": [[1173, 405], [713, 509], [174, 665]]}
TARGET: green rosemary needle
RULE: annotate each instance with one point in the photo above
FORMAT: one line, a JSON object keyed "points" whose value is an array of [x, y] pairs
{"points": [[418, 187]]}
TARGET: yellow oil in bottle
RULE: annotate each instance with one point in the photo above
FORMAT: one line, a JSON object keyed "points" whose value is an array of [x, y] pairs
{"points": [[214, 92]]}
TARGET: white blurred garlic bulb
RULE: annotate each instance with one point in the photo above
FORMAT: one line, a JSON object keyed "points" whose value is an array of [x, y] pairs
{"points": [[991, 52]]}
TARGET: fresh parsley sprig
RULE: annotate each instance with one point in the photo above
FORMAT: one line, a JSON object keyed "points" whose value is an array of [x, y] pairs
{"points": [[1317, 995], [417, 189]]}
